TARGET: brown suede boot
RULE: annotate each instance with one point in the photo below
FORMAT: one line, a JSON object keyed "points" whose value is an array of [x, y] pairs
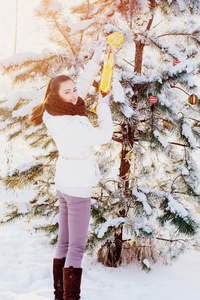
{"points": [[72, 283], [58, 265]]}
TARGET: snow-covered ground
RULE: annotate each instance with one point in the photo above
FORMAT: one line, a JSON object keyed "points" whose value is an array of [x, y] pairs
{"points": [[26, 272]]}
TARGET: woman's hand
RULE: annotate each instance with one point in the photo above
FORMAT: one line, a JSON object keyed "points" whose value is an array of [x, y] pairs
{"points": [[105, 99], [98, 50]]}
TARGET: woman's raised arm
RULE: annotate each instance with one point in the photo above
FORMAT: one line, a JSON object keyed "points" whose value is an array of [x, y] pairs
{"points": [[91, 69]]}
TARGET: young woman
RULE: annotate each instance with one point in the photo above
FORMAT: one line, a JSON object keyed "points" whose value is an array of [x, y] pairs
{"points": [[63, 112]]}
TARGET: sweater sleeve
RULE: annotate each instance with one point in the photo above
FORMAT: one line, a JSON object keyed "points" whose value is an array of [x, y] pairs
{"points": [[79, 134], [87, 77]]}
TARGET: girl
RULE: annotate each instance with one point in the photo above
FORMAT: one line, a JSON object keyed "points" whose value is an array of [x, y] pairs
{"points": [[63, 112]]}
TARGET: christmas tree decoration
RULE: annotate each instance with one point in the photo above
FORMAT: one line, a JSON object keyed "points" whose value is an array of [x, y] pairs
{"points": [[153, 99], [176, 62], [106, 75], [193, 99], [94, 106], [114, 40]]}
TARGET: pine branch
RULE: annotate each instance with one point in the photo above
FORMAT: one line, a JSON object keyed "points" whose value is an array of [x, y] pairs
{"points": [[194, 120], [171, 240], [175, 34], [155, 43], [119, 140], [174, 86], [43, 181], [178, 240], [129, 63], [182, 145], [174, 181], [150, 23], [20, 178], [58, 26]]}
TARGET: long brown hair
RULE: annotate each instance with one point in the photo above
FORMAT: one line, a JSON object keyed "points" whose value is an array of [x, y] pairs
{"points": [[36, 117]]}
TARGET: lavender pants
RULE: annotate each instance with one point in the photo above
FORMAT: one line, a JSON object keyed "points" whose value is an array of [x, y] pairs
{"points": [[73, 227]]}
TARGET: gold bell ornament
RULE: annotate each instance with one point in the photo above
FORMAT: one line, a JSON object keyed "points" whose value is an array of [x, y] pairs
{"points": [[114, 40]]}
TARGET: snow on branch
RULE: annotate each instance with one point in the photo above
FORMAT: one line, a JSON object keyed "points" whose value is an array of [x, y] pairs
{"points": [[161, 139], [182, 169], [50, 8], [133, 78], [24, 208], [43, 200], [187, 133], [153, 191], [103, 228], [109, 28], [33, 129], [118, 91], [26, 109], [18, 60], [15, 97], [181, 5], [4, 124], [183, 67], [55, 220], [75, 27], [193, 180], [165, 102], [165, 48], [25, 168], [141, 197], [127, 110], [141, 227], [176, 207]]}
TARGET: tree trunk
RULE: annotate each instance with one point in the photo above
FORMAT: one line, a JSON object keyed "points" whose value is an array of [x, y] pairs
{"points": [[124, 164], [127, 131], [128, 140], [140, 50], [124, 167], [138, 57]]}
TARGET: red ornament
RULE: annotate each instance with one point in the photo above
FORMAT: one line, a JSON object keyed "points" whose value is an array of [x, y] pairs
{"points": [[193, 99], [176, 62], [153, 99]]}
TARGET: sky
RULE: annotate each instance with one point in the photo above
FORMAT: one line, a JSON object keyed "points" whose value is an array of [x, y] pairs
{"points": [[27, 33], [31, 29], [31, 33]]}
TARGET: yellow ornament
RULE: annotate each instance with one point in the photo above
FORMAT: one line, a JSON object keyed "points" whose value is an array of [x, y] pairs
{"points": [[94, 106], [114, 40], [106, 75]]}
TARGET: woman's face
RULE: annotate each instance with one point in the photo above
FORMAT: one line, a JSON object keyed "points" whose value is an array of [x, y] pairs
{"points": [[68, 92]]}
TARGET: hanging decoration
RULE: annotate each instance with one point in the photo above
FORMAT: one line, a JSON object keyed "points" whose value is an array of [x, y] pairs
{"points": [[153, 99], [114, 40], [93, 108], [193, 99], [176, 62], [106, 75]]}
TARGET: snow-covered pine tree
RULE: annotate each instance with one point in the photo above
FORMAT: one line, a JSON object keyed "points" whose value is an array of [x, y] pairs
{"points": [[149, 206], [150, 203], [72, 45]]}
